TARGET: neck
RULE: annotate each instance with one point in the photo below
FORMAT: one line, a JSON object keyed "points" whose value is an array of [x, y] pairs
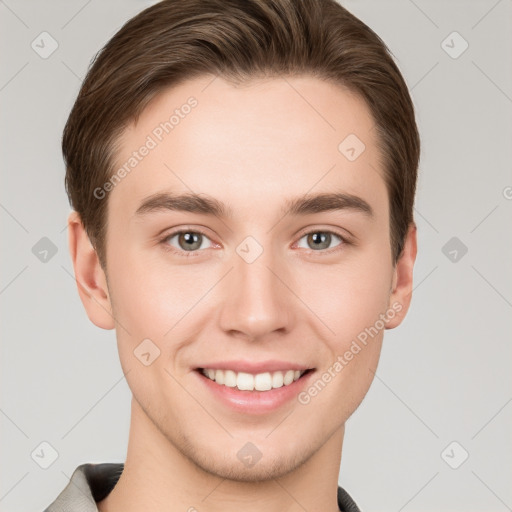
{"points": [[158, 477]]}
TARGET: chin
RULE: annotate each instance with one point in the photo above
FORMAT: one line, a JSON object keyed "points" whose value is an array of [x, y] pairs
{"points": [[262, 471], [228, 462]]}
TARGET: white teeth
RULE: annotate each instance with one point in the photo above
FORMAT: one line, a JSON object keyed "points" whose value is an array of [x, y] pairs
{"points": [[263, 382], [288, 377], [229, 378], [219, 376], [244, 381], [249, 382], [277, 379]]}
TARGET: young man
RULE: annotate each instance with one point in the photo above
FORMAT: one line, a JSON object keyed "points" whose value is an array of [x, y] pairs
{"points": [[242, 175]]}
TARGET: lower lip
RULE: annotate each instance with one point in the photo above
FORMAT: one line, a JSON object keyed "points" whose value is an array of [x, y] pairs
{"points": [[255, 402]]}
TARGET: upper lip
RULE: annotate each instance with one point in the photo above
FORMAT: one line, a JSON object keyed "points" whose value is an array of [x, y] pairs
{"points": [[255, 367]]}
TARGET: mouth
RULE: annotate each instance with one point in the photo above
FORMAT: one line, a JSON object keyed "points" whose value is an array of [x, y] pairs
{"points": [[244, 381], [253, 393]]}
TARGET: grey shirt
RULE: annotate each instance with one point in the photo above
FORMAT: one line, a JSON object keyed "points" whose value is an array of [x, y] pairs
{"points": [[90, 483]]}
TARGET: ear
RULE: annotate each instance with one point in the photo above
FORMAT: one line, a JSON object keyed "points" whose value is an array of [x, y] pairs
{"points": [[90, 277], [401, 289]]}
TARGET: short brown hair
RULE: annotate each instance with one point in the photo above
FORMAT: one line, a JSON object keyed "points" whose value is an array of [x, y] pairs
{"points": [[176, 40]]}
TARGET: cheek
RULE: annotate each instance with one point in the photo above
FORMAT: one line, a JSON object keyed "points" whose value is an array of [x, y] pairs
{"points": [[348, 297], [151, 304], [151, 295]]}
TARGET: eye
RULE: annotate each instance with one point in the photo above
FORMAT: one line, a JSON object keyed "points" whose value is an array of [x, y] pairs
{"points": [[187, 240], [321, 240], [191, 241]]}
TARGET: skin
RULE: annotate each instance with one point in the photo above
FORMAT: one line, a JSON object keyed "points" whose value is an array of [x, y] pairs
{"points": [[251, 147]]}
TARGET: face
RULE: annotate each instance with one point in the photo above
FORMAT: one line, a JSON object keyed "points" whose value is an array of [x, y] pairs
{"points": [[279, 261]]}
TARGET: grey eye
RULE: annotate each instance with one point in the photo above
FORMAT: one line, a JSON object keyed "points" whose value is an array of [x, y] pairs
{"points": [[188, 240], [319, 240]]}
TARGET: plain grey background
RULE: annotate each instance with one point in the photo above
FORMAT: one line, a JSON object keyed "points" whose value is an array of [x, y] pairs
{"points": [[443, 389]]}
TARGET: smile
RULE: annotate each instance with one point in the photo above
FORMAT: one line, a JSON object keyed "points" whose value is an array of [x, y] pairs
{"points": [[250, 382], [253, 387]]}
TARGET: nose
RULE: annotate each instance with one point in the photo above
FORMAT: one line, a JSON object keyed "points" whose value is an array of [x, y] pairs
{"points": [[256, 300]]}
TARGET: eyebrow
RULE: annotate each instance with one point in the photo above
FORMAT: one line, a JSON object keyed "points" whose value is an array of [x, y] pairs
{"points": [[203, 204]]}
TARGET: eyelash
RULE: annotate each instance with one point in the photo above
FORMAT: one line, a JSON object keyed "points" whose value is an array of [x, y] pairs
{"points": [[192, 254]]}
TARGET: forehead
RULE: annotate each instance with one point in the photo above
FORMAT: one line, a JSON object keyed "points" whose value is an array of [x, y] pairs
{"points": [[250, 144]]}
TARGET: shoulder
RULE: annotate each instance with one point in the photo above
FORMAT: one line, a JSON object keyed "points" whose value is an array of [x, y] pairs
{"points": [[88, 484], [345, 502]]}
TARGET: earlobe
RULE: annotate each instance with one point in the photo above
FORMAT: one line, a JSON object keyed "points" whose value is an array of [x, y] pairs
{"points": [[89, 275], [402, 285]]}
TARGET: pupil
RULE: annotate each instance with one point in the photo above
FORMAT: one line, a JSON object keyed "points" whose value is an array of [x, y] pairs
{"points": [[191, 239], [320, 239]]}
